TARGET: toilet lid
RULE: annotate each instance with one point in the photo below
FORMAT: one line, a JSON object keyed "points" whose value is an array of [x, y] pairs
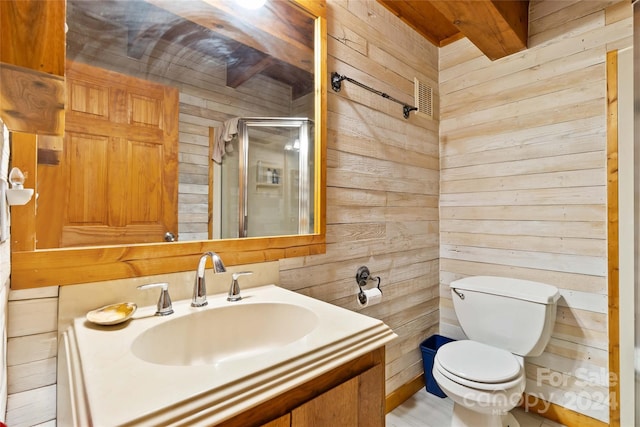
{"points": [[478, 362]]}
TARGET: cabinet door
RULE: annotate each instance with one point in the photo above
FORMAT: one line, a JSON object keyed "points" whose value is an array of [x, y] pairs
{"points": [[336, 407], [283, 421], [356, 402]]}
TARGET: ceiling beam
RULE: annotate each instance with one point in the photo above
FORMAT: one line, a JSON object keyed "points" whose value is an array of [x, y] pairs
{"points": [[266, 30], [423, 17], [497, 27], [249, 64]]}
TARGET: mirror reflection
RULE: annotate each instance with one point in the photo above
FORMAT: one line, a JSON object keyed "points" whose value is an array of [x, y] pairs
{"points": [[267, 187], [152, 86]]}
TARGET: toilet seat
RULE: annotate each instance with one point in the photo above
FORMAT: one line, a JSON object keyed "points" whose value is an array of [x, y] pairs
{"points": [[478, 365]]}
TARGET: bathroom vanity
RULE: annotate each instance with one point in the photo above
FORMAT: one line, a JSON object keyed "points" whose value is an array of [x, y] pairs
{"points": [[275, 358], [352, 394]]}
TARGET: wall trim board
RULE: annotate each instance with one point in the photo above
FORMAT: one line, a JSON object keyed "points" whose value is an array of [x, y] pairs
{"points": [[558, 413], [404, 392], [626, 257], [612, 238]]}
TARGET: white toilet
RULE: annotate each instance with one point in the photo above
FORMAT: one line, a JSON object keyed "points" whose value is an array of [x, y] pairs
{"points": [[504, 320]]}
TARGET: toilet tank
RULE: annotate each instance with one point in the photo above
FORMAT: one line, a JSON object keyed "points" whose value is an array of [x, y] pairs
{"points": [[512, 314]]}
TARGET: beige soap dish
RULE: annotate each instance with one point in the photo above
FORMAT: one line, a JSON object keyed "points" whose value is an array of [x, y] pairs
{"points": [[112, 314]]}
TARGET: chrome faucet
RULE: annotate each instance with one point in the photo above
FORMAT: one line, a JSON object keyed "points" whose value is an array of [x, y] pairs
{"points": [[164, 306], [234, 289], [199, 287]]}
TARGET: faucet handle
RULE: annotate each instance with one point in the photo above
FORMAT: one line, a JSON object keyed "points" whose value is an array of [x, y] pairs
{"points": [[164, 301], [234, 290], [234, 276]]}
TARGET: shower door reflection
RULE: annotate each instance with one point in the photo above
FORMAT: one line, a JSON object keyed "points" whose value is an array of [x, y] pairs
{"points": [[268, 183]]}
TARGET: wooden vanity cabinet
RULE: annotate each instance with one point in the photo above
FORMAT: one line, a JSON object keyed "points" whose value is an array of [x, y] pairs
{"points": [[350, 395]]}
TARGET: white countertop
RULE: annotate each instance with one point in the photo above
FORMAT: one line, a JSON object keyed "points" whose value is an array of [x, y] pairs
{"points": [[113, 387]]}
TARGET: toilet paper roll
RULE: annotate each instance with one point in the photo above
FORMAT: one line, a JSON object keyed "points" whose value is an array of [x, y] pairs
{"points": [[372, 297]]}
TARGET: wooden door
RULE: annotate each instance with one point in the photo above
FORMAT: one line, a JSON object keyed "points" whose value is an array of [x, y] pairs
{"points": [[116, 182]]}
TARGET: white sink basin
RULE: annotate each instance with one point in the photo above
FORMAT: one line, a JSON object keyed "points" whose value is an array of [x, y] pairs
{"points": [[224, 333]]}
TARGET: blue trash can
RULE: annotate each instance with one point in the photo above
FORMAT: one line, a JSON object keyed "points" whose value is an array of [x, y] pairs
{"points": [[429, 348]]}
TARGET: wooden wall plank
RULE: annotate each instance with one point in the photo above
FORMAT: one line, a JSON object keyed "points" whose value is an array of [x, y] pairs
{"points": [[544, 244], [558, 212], [32, 317], [32, 375], [33, 407], [568, 14], [576, 127], [30, 348], [577, 229], [579, 161]]}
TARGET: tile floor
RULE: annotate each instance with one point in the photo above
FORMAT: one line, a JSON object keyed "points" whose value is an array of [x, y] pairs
{"points": [[426, 410]]}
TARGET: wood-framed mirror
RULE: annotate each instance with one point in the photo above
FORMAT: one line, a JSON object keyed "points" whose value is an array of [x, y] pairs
{"points": [[35, 265]]}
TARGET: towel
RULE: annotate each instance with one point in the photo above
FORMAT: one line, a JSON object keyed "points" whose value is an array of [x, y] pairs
{"points": [[228, 131]]}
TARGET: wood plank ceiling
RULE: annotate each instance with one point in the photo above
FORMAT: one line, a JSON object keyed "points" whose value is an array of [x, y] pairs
{"points": [[497, 27]]}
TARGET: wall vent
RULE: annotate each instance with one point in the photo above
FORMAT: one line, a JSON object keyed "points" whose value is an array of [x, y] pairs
{"points": [[423, 98]]}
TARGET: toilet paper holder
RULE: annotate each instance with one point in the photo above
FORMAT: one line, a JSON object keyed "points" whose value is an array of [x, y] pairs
{"points": [[363, 276]]}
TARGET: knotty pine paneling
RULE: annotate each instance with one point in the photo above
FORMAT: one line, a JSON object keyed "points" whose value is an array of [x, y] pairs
{"points": [[382, 183], [523, 183]]}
